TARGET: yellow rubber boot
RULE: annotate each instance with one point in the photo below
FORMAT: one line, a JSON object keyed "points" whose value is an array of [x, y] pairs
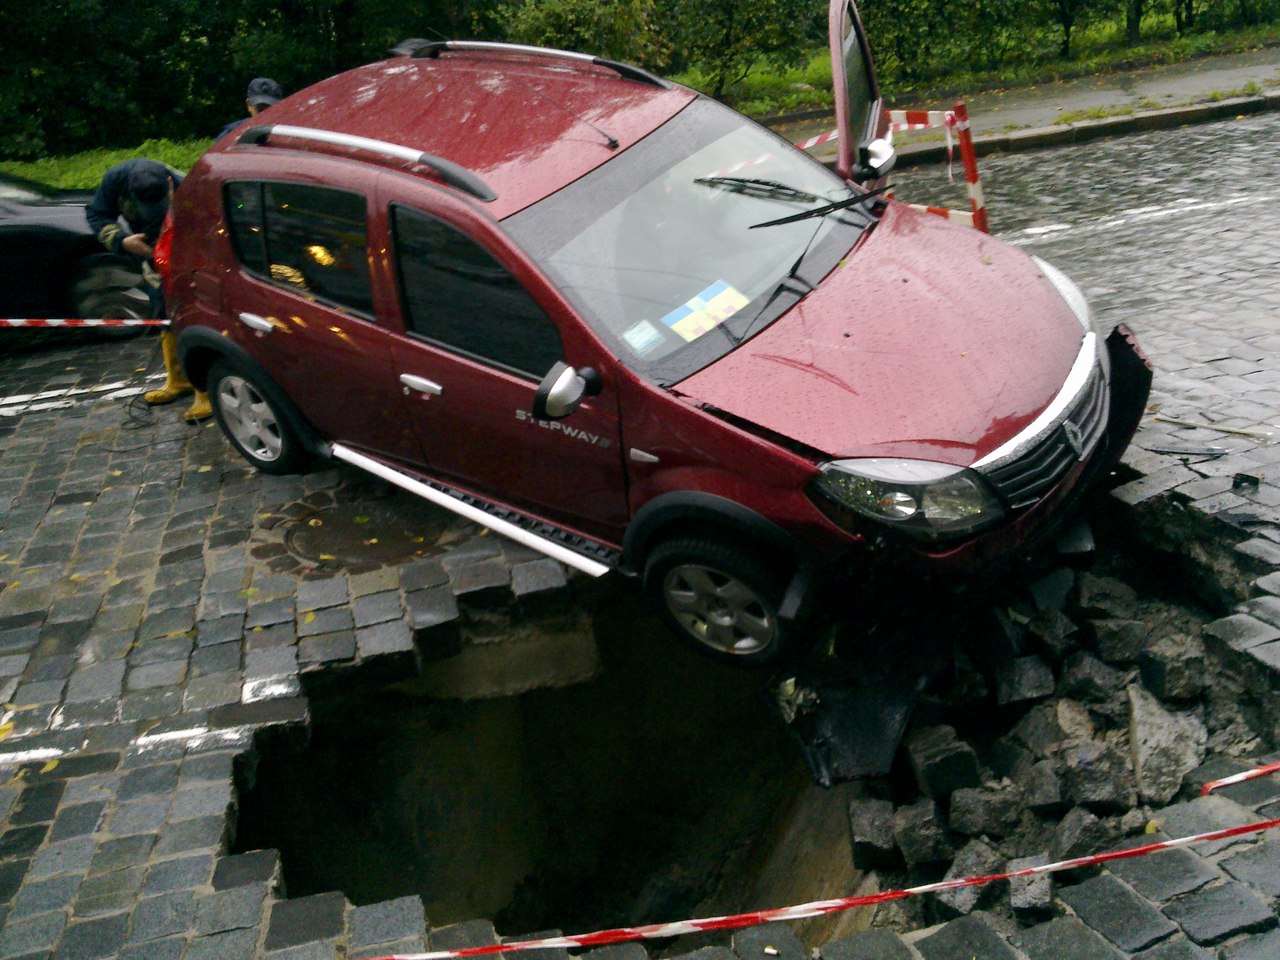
{"points": [[200, 409], [176, 383]]}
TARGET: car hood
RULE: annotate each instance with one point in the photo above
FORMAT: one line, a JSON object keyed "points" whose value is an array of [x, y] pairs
{"points": [[930, 341]]}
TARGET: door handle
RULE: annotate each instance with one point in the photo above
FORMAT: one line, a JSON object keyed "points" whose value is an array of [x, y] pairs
{"points": [[255, 322], [421, 384]]}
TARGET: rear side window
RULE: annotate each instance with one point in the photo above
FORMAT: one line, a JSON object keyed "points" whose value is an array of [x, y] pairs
{"points": [[308, 239], [456, 294]]}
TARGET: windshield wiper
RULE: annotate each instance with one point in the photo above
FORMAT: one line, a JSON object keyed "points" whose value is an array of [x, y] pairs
{"points": [[824, 210], [761, 189]]}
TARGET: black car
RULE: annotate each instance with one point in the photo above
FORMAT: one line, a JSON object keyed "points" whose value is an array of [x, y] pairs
{"points": [[51, 264]]}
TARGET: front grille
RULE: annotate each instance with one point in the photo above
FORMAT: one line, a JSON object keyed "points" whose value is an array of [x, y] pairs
{"points": [[1035, 469]]}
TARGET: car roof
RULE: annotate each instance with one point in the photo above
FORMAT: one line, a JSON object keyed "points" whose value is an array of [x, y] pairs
{"points": [[526, 125]]}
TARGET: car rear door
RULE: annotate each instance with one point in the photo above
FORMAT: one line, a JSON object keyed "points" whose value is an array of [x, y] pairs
{"points": [[305, 308], [477, 343], [860, 116]]}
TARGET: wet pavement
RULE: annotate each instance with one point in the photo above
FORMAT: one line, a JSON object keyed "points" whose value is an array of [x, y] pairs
{"points": [[154, 619]]}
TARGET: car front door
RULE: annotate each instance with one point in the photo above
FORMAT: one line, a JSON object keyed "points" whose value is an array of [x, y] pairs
{"points": [[860, 116], [477, 345]]}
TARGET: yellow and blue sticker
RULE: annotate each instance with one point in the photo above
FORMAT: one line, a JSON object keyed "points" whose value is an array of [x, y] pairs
{"points": [[706, 311]]}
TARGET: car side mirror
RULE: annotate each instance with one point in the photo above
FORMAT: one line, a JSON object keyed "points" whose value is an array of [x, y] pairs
{"points": [[875, 160], [562, 390]]}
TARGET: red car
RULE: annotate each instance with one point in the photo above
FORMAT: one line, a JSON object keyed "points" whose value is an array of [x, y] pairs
{"points": [[622, 323]]}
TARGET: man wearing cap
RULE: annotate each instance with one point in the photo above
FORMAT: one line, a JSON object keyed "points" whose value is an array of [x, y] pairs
{"points": [[263, 92], [138, 192]]}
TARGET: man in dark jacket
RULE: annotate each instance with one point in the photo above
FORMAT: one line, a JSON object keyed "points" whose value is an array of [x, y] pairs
{"points": [[262, 93], [138, 192]]}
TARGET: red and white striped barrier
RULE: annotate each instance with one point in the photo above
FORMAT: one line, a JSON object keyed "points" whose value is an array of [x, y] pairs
{"points": [[30, 322], [819, 908], [956, 120]]}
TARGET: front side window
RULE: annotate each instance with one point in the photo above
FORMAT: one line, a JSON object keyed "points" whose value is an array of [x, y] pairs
{"points": [[308, 239], [457, 295]]}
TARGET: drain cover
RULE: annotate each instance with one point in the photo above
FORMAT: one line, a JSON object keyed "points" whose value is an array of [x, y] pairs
{"points": [[382, 532]]}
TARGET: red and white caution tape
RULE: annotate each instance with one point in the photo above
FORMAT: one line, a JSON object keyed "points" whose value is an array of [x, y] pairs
{"points": [[29, 322], [819, 908], [1253, 774], [819, 140]]}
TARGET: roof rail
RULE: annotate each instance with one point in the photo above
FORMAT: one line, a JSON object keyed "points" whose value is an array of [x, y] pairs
{"points": [[430, 49], [453, 174]]}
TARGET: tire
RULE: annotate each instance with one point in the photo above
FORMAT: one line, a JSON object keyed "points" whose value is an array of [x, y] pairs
{"points": [[722, 600], [253, 415], [109, 287]]}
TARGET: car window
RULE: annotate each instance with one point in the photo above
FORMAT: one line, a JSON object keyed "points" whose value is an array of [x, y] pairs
{"points": [[309, 239], [456, 294]]}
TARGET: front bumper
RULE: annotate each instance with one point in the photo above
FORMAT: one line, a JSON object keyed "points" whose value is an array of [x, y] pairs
{"points": [[1019, 539]]}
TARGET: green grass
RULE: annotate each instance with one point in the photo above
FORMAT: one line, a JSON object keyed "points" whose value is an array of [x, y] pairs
{"points": [[1098, 49], [83, 171]]}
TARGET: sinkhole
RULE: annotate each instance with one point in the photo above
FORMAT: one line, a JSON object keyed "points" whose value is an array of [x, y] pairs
{"points": [[663, 787], [652, 792]]}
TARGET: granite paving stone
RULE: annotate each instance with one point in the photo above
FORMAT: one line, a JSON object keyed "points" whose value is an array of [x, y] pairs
{"points": [[109, 892], [1258, 866], [1206, 814], [877, 943], [304, 920], [181, 873], [1112, 909], [971, 936], [158, 779], [204, 833], [138, 817], [69, 856], [201, 801], [94, 938], [96, 682], [32, 935], [233, 909], [1264, 947], [170, 949], [327, 648], [1064, 938], [1215, 914], [122, 852], [257, 866], [386, 922], [1179, 949], [45, 895], [230, 945], [163, 915], [76, 821]]}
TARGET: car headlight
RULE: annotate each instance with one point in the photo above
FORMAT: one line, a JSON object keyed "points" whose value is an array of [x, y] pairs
{"points": [[925, 499]]}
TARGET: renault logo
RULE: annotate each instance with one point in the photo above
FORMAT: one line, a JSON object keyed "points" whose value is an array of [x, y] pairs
{"points": [[1074, 440]]}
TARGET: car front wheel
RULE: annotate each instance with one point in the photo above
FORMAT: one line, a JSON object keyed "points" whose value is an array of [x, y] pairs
{"points": [[250, 412], [722, 600]]}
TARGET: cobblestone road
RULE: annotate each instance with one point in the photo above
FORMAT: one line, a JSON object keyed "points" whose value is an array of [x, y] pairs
{"points": [[149, 623]]}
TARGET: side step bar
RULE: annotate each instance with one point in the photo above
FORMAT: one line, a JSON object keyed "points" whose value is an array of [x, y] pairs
{"points": [[508, 529]]}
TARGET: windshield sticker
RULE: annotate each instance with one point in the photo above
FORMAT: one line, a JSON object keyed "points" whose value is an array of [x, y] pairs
{"points": [[706, 311], [643, 338]]}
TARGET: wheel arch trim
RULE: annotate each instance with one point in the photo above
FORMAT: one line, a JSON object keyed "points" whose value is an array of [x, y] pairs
{"points": [[200, 348], [685, 506]]}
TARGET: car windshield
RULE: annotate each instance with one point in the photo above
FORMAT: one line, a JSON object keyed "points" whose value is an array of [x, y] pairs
{"points": [[656, 248]]}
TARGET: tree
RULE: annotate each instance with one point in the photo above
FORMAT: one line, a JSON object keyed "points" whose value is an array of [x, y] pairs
{"points": [[727, 37]]}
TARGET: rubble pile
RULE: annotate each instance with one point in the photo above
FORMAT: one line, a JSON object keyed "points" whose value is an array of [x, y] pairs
{"points": [[1062, 730]]}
